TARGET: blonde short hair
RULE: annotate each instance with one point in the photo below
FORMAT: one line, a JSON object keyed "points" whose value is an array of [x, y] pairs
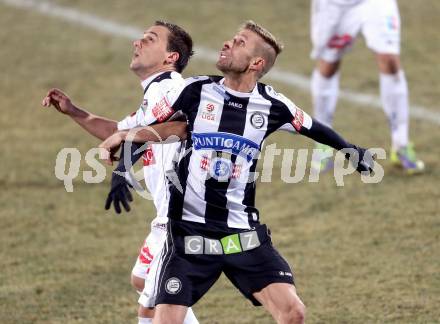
{"points": [[270, 40], [265, 35]]}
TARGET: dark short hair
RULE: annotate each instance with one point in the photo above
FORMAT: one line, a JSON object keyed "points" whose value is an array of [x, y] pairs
{"points": [[178, 41]]}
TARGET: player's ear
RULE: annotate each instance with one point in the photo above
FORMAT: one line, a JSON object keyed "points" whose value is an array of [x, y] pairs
{"points": [[257, 64], [172, 58]]}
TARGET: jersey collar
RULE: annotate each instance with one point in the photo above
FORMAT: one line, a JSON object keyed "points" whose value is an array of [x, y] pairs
{"points": [[145, 83], [237, 93]]}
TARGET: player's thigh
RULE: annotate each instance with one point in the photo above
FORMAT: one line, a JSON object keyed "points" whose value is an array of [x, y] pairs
{"points": [[186, 275], [388, 63], [253, 270], [151, 247], [280, 298], [166, 314], [382, 26], [137, 282], [140, 268], [151, 281], [333, 29]]}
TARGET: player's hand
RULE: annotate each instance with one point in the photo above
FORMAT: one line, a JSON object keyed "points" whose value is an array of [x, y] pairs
{"points": [[366, 160], [59, 100], [109, 147], [119, 193]]}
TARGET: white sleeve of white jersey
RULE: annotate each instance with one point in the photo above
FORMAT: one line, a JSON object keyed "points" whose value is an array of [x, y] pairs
{"points": [[156, 104], [161, 97], [133, 120]]}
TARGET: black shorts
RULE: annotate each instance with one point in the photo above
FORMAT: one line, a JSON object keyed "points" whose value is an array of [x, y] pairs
{"points": [[196, 254]]}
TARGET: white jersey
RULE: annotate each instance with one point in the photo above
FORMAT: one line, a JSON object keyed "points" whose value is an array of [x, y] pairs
{"points": [[158, 158], [346, 2]]}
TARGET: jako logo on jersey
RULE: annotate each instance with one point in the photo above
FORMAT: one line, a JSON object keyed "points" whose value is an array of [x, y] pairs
{"points": [[225, 142], [235, 104]]}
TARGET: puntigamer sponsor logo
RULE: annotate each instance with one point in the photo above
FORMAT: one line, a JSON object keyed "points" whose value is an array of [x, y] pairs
{"points": [[225, 142]]}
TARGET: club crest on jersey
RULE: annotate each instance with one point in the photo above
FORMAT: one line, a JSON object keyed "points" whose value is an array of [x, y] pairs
{"points": [[173, 286], [209, 111], [225, 142], [257, 120]]}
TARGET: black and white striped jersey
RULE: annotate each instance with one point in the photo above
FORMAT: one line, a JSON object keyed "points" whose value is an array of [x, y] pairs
{"points": [[216, 180]]}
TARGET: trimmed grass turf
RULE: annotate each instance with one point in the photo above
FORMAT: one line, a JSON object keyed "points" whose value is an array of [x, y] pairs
{"points": [[361, 253]]}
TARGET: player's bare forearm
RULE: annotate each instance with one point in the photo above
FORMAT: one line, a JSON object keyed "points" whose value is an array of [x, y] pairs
{"points": [[97, 126], [164, 133], [169, 132]]}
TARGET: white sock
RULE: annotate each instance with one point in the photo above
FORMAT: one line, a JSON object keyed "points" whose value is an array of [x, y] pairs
{"points": [[190, 318], [394, 95], [145, 320], [325, 93]]}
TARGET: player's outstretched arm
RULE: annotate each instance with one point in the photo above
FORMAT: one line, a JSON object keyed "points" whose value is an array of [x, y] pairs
{"points": [[99, 127], [164, 133], [325, 135]]}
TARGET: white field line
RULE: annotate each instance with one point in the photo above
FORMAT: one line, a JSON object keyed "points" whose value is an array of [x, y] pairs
{"points": [[204, 54]]}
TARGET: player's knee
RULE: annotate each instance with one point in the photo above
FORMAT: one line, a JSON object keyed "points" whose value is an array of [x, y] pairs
{"points": [[328, 69], [169, 314], [145, 312], [294, 313], [137, 283], [389, 63]]}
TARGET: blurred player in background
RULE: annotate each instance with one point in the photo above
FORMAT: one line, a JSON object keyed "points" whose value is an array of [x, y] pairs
{"points": [[335, 25], [158, 58]]}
